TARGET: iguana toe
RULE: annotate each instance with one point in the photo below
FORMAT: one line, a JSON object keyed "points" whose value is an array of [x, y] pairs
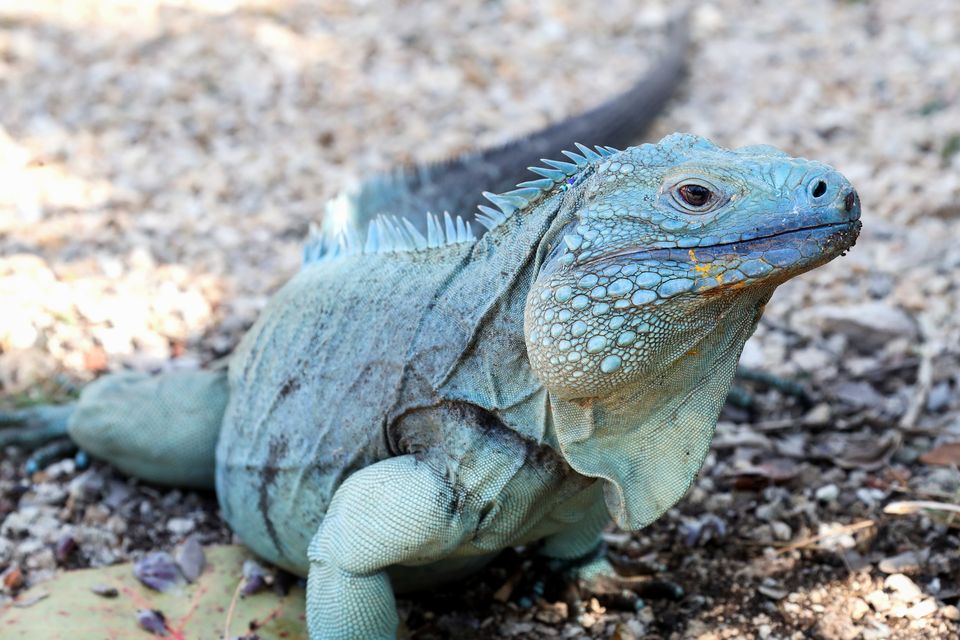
{"points": [[35, 426]]}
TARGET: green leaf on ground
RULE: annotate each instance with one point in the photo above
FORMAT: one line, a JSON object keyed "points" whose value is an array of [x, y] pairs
{"points": [[67, 607]]}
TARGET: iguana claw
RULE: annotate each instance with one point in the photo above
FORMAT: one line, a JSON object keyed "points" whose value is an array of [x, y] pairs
{"points": [[55, 451]]}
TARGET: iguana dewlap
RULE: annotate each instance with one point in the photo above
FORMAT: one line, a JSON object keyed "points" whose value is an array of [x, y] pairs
{"points": [[411, 403]]}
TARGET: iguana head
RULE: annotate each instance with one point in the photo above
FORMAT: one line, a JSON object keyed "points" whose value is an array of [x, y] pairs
{"points": [[655, 271], [654, 232]]}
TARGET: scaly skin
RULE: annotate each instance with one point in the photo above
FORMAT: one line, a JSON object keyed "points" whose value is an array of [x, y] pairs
{"points": [[566, 367], [401, 413]]}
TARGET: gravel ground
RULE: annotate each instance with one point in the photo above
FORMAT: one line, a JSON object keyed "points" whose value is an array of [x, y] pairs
{"points": [[160, 162]]}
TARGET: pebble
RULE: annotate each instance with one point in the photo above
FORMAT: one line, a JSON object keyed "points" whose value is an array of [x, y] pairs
{"points": [[781, 530], [870, 497], [41, 560], [87, 485], [181, 526], [37, 522], [903, 588], [868, 326], [908, 561], [942, 479], [190, 558], [772, 592], [623, 632], [879, 600], [922, 609], [858, 608], [827, 493], [768, 512], [939, 397], [11, 579], [105, 591], [45, 493], [60, 469], [858, 394], [877, 631], [552, 613], [818, 415]]}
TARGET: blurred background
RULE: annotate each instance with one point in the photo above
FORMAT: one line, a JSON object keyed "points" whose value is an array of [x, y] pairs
{"points": [[160, 162]]}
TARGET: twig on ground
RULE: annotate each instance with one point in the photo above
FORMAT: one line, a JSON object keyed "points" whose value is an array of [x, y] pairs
{"points": [[230, 610], [908, 507], [921, 389], [812, 540]]}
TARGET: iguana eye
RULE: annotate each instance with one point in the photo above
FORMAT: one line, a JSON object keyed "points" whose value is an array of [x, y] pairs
{"points": [[695, 196]]}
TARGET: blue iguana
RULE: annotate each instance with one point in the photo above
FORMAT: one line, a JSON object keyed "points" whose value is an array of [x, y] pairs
{"points": [[413, 402]]}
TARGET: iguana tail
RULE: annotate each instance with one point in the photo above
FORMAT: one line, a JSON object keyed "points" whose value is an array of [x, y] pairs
{"points": [[455, 185]]}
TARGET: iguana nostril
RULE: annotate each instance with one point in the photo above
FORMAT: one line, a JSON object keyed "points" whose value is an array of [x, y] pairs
{"points": [[819, 188], [850, 201]]}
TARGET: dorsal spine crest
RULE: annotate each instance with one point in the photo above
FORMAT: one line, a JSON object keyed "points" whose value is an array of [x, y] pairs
{"points": [[392, 234]]}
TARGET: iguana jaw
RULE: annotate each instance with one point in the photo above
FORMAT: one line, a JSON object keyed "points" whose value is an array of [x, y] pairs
{"points": [[648, 440]]}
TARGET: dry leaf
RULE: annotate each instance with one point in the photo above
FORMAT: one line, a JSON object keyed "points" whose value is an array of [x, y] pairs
{"points": [[946, 454], [776, 471], [71, 609]]}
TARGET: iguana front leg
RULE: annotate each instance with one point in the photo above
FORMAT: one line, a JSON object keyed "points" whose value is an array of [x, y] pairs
{"points": [[400, 510]]}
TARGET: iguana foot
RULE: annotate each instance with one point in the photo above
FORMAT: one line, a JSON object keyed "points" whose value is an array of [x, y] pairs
{"points": [[596, 577], [592, 572], [588, 567]]}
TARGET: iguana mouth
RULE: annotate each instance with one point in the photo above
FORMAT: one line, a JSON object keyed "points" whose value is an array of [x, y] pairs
{"points": [[840, 226], [683, 252]]}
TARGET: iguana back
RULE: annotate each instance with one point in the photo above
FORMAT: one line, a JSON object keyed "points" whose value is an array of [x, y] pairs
{"points": [[314, 382]]}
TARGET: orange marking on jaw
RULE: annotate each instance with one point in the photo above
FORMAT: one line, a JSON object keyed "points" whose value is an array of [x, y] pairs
{"points": [[702, 269]]}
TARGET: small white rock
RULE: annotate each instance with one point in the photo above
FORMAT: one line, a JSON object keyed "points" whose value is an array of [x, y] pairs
{"points": [[904, 589], [181, 526], [922, 609], [906, 561], [869, 325], [879, 600], [827, 493], [858, 609], [781, 530]]}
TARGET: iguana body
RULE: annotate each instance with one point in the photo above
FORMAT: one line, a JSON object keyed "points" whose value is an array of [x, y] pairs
{"points": [[408, 406]]}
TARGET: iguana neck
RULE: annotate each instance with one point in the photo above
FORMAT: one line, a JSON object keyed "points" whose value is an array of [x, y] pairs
{"points": [[648, 440], [492, 369]]}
